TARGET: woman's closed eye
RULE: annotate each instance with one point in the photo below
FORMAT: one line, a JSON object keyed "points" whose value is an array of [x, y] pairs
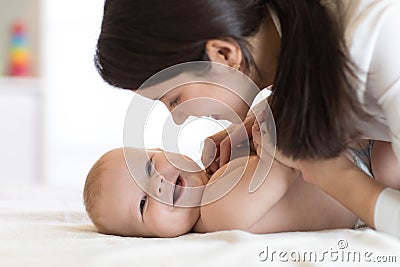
{"points": [[173, 103]]}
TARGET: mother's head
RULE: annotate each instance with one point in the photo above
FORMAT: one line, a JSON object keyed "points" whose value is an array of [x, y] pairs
{"points": [[313, 102], [140, 38]]}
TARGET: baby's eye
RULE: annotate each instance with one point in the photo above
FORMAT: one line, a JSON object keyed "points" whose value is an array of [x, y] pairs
{"points": [[149, 166], [142, 203]]}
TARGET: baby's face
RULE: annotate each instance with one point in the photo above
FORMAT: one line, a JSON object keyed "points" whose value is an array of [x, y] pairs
{"points": [[124, 208]]}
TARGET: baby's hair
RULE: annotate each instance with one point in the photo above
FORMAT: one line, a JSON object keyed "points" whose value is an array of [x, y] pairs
{"points": [[92, 190]]}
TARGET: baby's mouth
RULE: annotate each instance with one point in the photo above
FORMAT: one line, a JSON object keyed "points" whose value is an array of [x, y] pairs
{"points": [[178, 189]]}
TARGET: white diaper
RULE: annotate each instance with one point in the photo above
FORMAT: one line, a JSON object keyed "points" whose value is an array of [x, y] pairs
{"points": [[361, 155]]}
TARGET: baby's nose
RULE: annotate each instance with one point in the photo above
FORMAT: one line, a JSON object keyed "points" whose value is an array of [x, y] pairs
{"points": [[160, 188]]}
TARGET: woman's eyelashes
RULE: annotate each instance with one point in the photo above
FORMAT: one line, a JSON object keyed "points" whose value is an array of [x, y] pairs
{"points": [[173, 103]]}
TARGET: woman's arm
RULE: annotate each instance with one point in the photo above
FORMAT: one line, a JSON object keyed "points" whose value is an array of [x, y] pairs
{"points": [[345, 182], [376, 205], [384, 87], [384, 165], [384, 73]]}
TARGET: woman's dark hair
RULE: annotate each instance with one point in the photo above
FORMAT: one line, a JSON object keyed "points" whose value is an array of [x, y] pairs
{"points": [[313, 102], [142, 37]]}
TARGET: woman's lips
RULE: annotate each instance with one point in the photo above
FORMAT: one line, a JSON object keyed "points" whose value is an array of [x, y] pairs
{"points": [[215, 117]]}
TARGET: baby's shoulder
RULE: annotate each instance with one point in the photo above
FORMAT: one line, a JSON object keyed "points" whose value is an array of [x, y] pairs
{"points": [[242, 163]]}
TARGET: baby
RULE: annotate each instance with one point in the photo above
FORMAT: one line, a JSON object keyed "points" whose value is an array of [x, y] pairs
{"points": [[117, 203]]}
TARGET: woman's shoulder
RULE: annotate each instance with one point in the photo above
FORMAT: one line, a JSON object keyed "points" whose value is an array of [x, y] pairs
{"points": [[363, 17]]}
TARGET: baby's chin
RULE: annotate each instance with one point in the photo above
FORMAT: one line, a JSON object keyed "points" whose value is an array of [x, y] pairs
{"points": [[187, 220]]}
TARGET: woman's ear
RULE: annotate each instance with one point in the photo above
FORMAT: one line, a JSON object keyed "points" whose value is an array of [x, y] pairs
{"points": [[224, 51]]}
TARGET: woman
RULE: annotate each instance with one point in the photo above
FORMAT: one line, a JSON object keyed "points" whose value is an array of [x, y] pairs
{"points": [[335, 66]]}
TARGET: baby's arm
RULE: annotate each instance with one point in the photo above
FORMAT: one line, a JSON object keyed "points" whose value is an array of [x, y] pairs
{"points": [[240, 209]]}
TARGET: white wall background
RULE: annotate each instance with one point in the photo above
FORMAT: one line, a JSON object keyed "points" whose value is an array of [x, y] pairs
{"points": [[83, 117]]}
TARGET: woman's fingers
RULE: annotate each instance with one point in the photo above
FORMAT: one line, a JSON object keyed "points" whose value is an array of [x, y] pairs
{"points": [[240, 133], [219, 146], [262, 142], [210, 152], [212, 168], [256, 138]]}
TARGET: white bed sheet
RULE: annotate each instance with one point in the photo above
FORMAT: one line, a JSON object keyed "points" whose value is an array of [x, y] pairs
{"points": [[47, 226]]}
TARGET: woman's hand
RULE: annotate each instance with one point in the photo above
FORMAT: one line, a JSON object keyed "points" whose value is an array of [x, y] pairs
{"points": [[316, 171], [217, 148], [262, 143], [257, 137]]}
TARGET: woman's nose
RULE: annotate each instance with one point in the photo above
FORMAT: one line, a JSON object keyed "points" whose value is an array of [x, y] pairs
{"points": [[179, 117]]}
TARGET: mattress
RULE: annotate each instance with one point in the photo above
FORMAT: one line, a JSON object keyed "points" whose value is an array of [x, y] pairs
{"points": [[47, 226]]}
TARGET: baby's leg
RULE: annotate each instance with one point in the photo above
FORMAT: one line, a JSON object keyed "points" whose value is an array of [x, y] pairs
{"points": [[384, 164]]}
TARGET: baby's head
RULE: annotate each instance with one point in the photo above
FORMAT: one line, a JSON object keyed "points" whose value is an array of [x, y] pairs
{"points": [[117, 204]]}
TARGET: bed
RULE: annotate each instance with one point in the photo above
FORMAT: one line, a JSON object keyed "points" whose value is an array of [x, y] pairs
{"points": [[47, 226]]}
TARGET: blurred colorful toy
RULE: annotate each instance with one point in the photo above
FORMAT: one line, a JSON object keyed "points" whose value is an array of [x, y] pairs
{"points": [[19, 60]]}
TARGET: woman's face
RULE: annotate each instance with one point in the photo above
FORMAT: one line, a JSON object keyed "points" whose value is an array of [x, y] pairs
{"points": [[202, 89], [200, 99]]}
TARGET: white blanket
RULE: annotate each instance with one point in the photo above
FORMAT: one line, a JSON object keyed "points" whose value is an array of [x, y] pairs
{"points": [[47, 226]]}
